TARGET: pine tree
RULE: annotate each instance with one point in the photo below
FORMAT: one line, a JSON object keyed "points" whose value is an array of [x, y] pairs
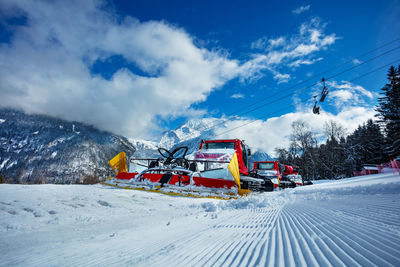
{"points": [[365, 145], [389, 112]]}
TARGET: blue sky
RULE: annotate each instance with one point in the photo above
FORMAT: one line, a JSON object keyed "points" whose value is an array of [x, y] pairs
{"points": [[235, 25], [140, 67]]}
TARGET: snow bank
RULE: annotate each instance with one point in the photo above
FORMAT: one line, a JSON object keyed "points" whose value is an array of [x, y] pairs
{"points": [[367, 184], [322, 190], [99, 226]]}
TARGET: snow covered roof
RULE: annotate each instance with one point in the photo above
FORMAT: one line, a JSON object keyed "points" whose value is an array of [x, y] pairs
{"points": [[370, 168]]}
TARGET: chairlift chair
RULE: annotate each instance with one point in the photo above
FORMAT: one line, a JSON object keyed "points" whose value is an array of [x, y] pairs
{"points": [[315, 108], [324, 92]]}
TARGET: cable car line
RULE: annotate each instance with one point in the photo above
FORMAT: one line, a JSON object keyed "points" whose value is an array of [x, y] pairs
{"points": [[300, 90], [291, 105]]}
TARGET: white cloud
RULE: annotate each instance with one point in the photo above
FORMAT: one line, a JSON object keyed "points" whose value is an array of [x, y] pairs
{"points": [[46, 66], [342, 95], [281, 78], [290, 51], [264, 42], [301, 9], [275, 132], [299, 62], [237, 96], [345, 93], [259, 43]]}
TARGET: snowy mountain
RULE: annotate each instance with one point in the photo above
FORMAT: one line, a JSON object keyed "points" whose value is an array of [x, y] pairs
{"points": [[35, 148], [145, 148], [188, 134], [191, 130], [259, 156]]}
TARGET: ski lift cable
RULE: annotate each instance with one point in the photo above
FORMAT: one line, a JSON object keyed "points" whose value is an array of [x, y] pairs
{"points": [[291, 105], [310, 86], [318, 75], [330, 77], [299, 83], [353, 67]]}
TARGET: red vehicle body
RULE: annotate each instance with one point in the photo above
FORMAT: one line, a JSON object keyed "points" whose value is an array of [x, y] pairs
{"points": [[292, 174], [283, 176], [273, 165], [180, 179], [247, 179], [288, 170], [239, 146], [271, 170]]}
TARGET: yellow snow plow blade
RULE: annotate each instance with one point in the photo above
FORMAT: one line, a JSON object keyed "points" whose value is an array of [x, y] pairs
{"points": [[118, 163], [233, 167], [244, 192]]}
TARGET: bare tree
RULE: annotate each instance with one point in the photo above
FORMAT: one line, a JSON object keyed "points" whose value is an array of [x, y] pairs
{"points": [[332, 153], [333, 130], [304, 144]]}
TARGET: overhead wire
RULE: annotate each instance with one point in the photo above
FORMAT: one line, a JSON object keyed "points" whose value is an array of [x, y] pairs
{"points": [[311, 78], [310, 86], [290, 105], [321, 73]]}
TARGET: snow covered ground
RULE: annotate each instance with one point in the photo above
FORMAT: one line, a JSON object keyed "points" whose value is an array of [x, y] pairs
{"points": [[347, 222]]}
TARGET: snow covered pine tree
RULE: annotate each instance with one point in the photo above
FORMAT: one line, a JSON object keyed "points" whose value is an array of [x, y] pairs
{"points": [[389, 112]]}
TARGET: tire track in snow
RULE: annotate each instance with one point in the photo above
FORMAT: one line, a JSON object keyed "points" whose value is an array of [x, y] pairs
{"points": [[351, 235], [225, 248], [192, 253], [297, 257], [318, 248], [324, 231], [235, 240], [254, 245], [241, 256], [239, 244], [184, 246], [303, 233], [383, 209], [310, 235], [370, 233], [298, 233], [224, 235]]}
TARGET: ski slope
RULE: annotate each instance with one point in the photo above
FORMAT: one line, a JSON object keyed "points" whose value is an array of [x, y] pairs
{"points": [[351, 222]]}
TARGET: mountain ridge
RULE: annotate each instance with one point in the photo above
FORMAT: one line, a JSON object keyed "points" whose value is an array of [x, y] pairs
{"points": [[43, 149]]}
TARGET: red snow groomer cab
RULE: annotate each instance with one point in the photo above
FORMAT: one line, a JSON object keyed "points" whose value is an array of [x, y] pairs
{"points": [[270, 171], [292, 174], [247, 181], [221, 146], [274, 172]]}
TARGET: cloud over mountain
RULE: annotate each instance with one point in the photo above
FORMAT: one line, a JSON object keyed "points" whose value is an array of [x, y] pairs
{"points": [[47, 66]]}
